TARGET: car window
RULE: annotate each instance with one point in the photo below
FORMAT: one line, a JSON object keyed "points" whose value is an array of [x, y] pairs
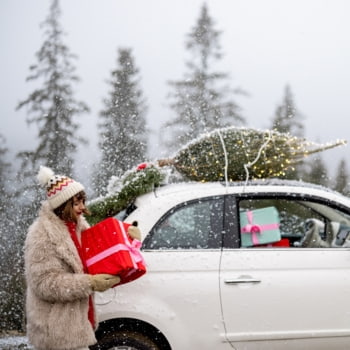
{"points": [[193, 225], [301, 223]]}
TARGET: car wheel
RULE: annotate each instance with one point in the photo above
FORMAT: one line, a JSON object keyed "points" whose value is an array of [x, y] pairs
{"points": [[126, 340]]}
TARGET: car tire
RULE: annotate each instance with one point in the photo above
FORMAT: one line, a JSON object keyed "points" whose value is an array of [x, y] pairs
{"points": [[126, 340]]}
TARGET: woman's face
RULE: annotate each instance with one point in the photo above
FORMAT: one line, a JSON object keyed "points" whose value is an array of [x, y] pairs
{"points": [[78, 206]]}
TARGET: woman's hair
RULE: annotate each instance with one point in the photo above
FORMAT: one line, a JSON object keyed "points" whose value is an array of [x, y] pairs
{"points": [[65, 211]]}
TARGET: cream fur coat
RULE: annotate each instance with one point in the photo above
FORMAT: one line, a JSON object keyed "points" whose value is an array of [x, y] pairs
{"points": [[57, 288]]}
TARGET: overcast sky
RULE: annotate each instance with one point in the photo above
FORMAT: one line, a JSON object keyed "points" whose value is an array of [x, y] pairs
{"points": [[266, 44]]}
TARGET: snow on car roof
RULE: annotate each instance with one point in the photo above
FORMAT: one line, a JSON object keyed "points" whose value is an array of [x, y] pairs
{"points": [[195, 189]]}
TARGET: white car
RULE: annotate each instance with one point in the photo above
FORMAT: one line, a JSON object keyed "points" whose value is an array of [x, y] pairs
{"points": [[262, 265]]}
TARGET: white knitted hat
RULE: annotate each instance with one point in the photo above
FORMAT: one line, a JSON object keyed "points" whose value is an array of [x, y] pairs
{"points": [[59, 188]]}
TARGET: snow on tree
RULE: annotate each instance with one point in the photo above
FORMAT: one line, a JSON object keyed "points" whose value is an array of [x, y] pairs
{"points": [[52, 106], [203, 100], [123, 190], [123, 133]]}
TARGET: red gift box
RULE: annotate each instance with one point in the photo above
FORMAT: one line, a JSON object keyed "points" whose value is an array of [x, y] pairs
{"points": [[107, 248], [284, 242]]}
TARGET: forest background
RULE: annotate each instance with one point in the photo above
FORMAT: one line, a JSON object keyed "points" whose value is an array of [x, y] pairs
{"points": [[170, 72]]}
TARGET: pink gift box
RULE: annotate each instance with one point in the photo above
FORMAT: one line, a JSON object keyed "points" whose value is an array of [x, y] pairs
{"points": [[108, 248]]}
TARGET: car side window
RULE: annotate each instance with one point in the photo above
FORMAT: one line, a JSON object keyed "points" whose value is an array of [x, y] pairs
{"points": [[302, 223], [193, 225]]}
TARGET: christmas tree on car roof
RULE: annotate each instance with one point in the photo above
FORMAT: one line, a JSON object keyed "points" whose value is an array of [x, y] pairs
{"points": [[228, 154]]}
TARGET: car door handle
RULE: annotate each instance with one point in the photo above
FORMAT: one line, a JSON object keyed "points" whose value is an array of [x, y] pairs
{"points": [[242, 280]]}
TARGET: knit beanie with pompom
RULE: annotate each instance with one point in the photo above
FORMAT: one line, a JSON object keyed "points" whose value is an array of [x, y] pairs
{"points": [[59, 188]]}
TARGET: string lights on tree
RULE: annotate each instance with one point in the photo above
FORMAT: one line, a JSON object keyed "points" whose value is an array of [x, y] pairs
{"points": [[204, 158], [228, 154]]}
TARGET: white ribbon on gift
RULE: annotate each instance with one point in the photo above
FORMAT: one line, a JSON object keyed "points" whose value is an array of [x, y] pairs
{"points": [[133, 248]]}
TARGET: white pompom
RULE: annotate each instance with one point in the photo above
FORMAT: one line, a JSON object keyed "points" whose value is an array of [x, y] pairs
{"points": [[44, 175]]}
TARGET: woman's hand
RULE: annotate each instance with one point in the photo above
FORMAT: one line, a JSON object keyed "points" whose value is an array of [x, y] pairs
{"points": [[103, 281], [134, 232]]}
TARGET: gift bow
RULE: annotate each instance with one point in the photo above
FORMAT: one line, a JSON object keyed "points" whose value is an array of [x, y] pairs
{"points": [[133, 248], [254, 229]]}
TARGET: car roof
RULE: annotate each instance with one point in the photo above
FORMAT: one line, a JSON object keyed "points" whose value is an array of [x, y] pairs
{"points": [[179, 192], [151, 206]]}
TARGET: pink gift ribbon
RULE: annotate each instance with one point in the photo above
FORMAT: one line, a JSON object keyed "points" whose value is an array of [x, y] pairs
{"points": [[254, 230], [133, 248]]}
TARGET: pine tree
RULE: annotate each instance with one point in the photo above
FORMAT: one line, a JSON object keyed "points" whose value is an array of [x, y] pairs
{"points": [[5, 202], [202, 101], [4, 172], [123, 133], [318, 173], [52, 107], [288, 119], [342, 178], [11, 266]]}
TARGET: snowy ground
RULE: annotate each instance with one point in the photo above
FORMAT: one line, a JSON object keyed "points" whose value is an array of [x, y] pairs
{"points": [[14, 343]]}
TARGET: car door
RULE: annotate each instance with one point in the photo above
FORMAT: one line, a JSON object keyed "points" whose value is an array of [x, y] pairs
{"points": [[183, 254], [290, 296]]}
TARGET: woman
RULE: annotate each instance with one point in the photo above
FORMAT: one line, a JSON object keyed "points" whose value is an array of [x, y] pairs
{"points": [[59, 306]]}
